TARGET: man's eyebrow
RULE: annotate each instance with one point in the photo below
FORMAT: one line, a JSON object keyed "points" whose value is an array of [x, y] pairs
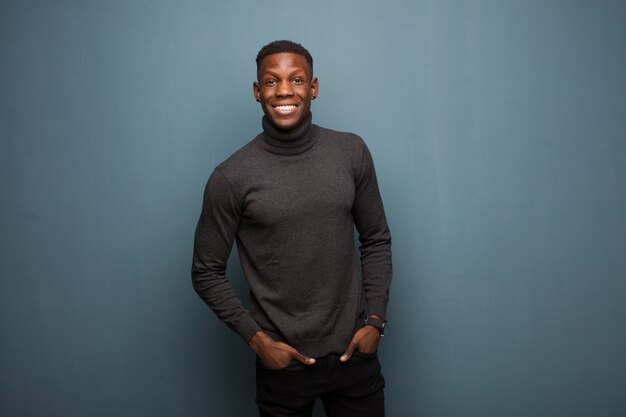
{"points": [[272, 73]]}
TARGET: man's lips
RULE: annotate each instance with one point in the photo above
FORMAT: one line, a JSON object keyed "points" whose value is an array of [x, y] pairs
{"points": [[285, 109]]}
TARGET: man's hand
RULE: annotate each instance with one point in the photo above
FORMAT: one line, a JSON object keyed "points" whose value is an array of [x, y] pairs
{"points": [[365, 340], [276, 355]]}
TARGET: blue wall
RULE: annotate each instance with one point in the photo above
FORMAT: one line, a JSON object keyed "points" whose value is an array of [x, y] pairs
{"points": [[499, 133]]}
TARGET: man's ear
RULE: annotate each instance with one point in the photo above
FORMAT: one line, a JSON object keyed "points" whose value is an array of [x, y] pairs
{"points": [[314, 88], [256, 91]]}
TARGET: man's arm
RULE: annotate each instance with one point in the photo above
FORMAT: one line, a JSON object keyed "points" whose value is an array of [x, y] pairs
{"points": [[215, 233], [375, 248]]}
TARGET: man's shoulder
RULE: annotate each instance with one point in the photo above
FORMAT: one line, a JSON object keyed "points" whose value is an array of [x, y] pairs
{"points": [[341, 139], [241, 159], [337, 134]]}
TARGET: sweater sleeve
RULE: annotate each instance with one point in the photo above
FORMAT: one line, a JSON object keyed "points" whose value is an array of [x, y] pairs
{"points": [[215, 233], [374, 236]]}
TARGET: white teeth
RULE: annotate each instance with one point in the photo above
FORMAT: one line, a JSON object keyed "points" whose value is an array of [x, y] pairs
{"points": [[285, 108]]}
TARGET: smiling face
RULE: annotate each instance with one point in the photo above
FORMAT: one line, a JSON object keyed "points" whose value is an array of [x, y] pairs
{"points": [[285, 88]]}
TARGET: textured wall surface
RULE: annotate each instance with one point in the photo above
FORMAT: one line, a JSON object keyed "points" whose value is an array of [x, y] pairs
{"points": [[498, 129]]}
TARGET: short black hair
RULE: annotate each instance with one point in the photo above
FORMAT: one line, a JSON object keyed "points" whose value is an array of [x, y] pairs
{"points": [[278, 47]]}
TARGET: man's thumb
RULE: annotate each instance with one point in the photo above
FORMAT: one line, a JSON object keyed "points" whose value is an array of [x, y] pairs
{"points": [[304, 359], [348, 353]]}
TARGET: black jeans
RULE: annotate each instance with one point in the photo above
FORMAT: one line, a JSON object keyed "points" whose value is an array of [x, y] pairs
{"points": [[351, 389]]}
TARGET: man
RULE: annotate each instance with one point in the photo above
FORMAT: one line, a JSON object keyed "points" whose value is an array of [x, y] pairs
{"points": [[291, 199]]}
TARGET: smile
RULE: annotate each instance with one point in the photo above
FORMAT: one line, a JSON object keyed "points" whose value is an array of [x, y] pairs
{"points": [[285, 109]]}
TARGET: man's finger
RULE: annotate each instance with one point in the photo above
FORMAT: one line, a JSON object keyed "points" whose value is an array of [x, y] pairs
{"points": [[348, 353], [304, 359]]}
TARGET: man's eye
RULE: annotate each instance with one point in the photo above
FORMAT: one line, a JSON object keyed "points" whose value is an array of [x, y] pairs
{"points": [[298, 80], [270, 83]]}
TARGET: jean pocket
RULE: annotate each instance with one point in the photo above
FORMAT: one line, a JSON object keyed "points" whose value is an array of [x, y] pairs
{"points": [[365, 355], [294, 365]]}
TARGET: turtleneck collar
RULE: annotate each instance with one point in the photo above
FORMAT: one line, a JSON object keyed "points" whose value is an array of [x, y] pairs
{"points": [[289, 142]]}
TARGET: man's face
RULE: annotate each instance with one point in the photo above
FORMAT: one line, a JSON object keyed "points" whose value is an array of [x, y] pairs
{"points": [[285, 88]]}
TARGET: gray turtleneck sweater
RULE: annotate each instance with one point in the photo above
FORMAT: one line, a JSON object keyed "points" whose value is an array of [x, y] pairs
{"points": [[291, 200]]}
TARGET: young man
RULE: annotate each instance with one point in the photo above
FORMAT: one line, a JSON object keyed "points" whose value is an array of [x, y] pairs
{"points": [[291, 199]]}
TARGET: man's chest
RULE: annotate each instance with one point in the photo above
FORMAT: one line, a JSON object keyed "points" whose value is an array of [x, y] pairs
{"points": [[294, 192]]}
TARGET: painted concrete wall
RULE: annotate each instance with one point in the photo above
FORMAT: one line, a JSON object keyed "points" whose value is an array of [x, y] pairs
{"points": [[498, 129]]}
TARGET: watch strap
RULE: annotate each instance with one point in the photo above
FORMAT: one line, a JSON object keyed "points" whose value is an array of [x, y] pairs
{"points": [[376, 322]]}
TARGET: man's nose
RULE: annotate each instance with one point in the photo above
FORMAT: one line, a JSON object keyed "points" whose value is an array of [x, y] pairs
{"points": [[284, 89]]}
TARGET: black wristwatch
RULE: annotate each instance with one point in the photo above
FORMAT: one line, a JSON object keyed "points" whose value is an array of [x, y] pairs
{"points": [[376, 322]]}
